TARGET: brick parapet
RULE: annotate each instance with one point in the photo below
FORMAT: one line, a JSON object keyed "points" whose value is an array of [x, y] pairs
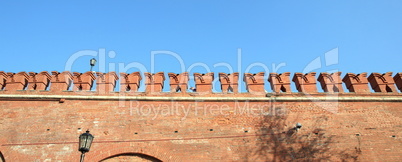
{"points": [[17, 81], [130, 82], [398, 81], [61, 81], [357, 83], [179, 82], [305, 82], [106, 82], [254, 83], [3, 79], [229, 82], [203, 82], [83, 81], [331, 82], [39, 81], [382, 82], [154, 82], [280, 82]]}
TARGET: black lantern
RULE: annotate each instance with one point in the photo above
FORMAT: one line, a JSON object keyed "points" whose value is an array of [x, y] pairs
{"points": [[85, 144], [92, 62]]}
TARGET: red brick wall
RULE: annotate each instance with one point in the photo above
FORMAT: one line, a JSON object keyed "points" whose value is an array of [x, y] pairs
{"points": [[43, 124], [36, 128]]}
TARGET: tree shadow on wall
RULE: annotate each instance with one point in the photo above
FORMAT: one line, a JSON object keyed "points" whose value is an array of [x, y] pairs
{"points": [[279, 142]]}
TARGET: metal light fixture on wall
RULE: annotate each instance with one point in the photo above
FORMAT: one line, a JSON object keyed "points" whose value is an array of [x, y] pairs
{"points": [[85, 141]]}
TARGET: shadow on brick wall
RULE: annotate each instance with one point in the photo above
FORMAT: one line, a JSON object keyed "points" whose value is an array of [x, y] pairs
{"points": [[278, 142]]}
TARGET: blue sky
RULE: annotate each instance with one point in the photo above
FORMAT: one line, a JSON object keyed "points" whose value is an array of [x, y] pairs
{"points": [[358, 36]]}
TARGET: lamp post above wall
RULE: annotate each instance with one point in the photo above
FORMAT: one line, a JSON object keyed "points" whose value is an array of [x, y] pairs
{"points": [[85, 141], [92, 62]]}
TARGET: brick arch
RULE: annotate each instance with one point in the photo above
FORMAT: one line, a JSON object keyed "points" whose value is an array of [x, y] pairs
{"points": [[2, 157], [106, 150], [137, 155]]}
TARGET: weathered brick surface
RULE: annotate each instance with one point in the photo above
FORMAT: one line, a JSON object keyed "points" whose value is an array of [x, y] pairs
{"points": [[45, 125], [40, 129]]}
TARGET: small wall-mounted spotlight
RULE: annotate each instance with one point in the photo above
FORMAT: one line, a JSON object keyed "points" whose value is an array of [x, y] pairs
{"points": [[298, 126]]}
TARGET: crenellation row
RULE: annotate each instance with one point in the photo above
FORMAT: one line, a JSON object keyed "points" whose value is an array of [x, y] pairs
{"points": [[106, 82]]}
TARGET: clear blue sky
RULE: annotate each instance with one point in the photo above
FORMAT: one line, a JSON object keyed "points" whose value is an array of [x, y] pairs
{"points": [[364, 36]]}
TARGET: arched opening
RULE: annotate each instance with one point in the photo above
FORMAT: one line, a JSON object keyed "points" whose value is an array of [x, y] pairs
{"points": [[2, 158], [130, 157]]}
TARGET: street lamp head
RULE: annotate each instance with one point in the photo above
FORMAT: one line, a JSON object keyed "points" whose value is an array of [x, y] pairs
{"points": [[92, 62], [85, 141]]}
